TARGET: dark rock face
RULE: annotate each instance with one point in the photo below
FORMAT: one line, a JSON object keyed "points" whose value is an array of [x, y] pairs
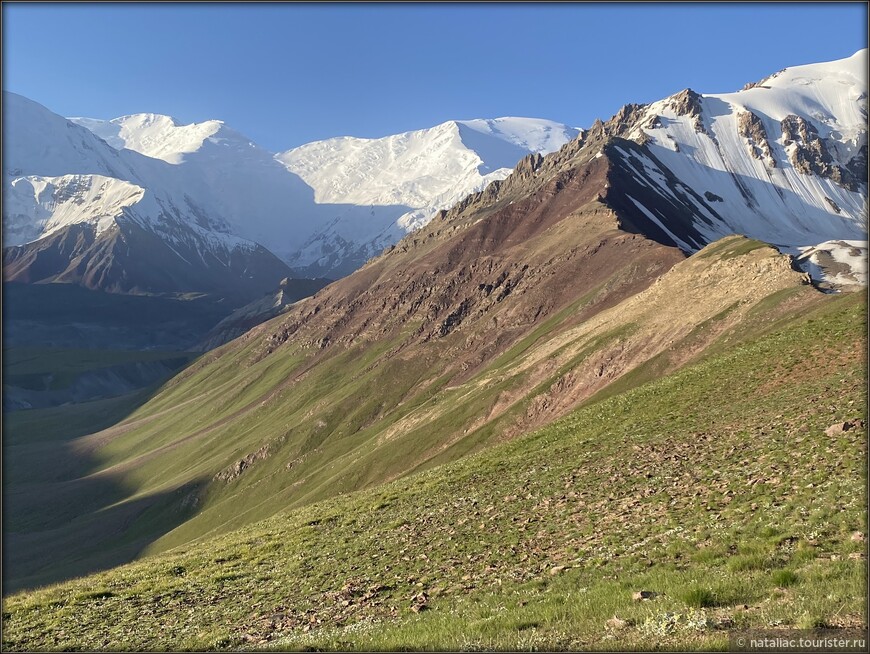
{"points": [[654, 123], [130, 259], [810, 154], [750, 127], [833, 204], [688, 103], [857, 170], [677, 215]]}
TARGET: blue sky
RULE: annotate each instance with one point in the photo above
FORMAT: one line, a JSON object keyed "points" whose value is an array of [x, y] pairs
{"points": [[287, 74]]}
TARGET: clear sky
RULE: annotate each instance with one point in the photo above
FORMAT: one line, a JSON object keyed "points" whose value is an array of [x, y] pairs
{"points": [[287, 74]]}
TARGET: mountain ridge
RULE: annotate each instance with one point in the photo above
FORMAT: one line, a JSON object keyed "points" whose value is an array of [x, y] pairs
{"points": [[326, 207], [208, 174]]}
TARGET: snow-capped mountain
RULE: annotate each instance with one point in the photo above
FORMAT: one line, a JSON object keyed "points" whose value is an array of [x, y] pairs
{"points": [[782, 157], [235, 179], [207, 193], [77, 209], [418, 173], [783, 160], [326, 207]]}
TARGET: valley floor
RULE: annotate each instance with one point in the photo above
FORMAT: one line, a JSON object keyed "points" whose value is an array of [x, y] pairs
{"points": [[716, 489]]}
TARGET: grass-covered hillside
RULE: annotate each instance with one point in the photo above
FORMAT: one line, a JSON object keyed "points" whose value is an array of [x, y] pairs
{"points": [[716, 489], [273, 421]]}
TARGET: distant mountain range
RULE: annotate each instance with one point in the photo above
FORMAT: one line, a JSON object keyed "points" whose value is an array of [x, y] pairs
{"points": [[142, 203]]}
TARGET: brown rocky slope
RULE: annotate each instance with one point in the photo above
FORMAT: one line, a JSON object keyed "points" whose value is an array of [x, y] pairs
{"points": [[502, 314]]}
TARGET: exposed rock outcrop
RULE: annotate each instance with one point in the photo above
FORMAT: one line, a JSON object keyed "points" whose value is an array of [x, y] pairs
{"points": [[238, 468], [809, 154], [688, 103], [857, 169], [751, 127]]}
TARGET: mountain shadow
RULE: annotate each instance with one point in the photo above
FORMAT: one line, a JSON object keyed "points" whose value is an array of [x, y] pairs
{"points": [[66, 515]]}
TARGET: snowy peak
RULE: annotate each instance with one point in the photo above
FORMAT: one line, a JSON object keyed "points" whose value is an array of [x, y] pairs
{"points": [[78, 210], [831, 97], [783, 161], [850, 70], [226, 176], [161, 137], [39, 142], [826, 100], [533, 135], [324, 208], [404, 179], [414, 168]]}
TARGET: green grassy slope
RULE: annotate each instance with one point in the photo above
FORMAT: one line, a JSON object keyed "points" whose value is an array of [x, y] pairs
{"points": [[241, 435], [715, 487]]}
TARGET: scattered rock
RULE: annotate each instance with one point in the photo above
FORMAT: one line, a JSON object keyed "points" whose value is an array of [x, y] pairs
{"points": [[420, 602], [840, 427], [616, 623], [236, 470], [642, 595], [856, 556]]}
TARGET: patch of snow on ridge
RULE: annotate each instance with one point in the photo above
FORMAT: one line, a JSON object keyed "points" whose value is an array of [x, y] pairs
{"points": [[838, 262], [38, 206], [531, 134]]}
